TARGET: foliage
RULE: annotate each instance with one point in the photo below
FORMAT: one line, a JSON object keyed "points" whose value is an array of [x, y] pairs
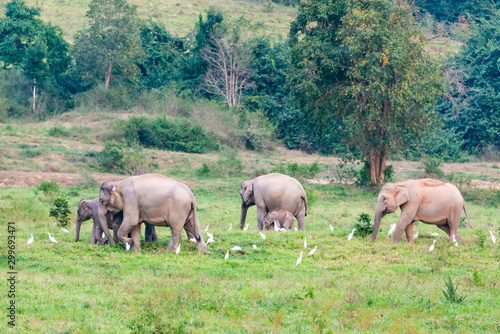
{"points": [[299, 171], [111, 45], [450, 292], [135, 163], [363, 225], [48, 187], [169, 134], [444, 10], [60, 211], [228, 165], [363, 63], [432, 167], [477, 119], [58, 130]]}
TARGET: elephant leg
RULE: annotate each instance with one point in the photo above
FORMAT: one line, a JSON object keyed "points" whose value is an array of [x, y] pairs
{"points": [[176, 238], [136, 237], [261, 213], [405, 219], [93, 239], [300, 219], [115, 228], [150, 233], [446, 229], [97, 231], [130, 220], [409, 234]]}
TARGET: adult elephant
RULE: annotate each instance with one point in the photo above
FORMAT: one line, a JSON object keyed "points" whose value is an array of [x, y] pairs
{"points": [[273, 192], [157, 199], [429, 201], [89, 209]]}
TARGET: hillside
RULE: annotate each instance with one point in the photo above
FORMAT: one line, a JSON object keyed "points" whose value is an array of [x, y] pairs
{"points": [[179, 17]]}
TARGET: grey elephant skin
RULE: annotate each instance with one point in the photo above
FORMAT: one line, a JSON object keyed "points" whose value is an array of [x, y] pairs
{"points": [[157, 199], [281, 218], [89, 209], [273, 192], [426, 200]]}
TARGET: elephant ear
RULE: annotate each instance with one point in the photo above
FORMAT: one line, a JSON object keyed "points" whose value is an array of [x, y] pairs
{"points": [[402, 195], [247, 191], [112, 198]]}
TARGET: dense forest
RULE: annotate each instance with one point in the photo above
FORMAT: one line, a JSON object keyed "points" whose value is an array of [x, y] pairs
{"points": [[353, 78]]}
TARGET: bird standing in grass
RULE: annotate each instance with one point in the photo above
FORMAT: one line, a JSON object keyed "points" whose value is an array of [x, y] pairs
{"points": [[262, 235], [305, 242], [64, 230], [415, 236], [52, 239], [432, 246], [227, 255], [254, 247], [299, 260], [434, 234], [230, 227], [127, 246], [210, 235], [313, 251], [295, 229], [246, 228], [331, 227], [209, 241], [351, 234], [30, 240], [393, 228], [206, 229], [492, 238], [178, 250], [103, 235], [235, 248], [455, 240], [276, 228]]}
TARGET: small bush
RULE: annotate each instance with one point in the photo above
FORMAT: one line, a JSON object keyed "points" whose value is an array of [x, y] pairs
{"points": [[363, 225], [88, 181], [31, 152], [58, 131], [299, 171], [135, 164], [228, 165], [122, 158], [9, 127], [450, 292], [432, 167], [48, 187], [169, 134], [60, 211]]}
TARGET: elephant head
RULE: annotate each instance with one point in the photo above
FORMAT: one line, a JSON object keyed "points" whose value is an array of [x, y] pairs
{"points": [[247, 200], [269, 220], [84, 212], [391, 196]]}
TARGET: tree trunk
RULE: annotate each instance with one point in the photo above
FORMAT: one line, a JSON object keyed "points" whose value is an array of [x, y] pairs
{"points": [[376, 162], [34, 96], [108, 75]]}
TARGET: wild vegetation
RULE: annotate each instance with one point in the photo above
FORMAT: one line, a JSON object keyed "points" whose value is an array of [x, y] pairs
{"points": [[212, 96]]}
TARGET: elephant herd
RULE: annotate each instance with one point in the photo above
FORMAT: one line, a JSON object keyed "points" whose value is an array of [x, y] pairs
{"points": [[157, 200]]}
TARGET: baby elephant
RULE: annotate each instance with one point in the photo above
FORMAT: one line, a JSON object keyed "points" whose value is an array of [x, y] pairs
{"points": [[283, 219]]}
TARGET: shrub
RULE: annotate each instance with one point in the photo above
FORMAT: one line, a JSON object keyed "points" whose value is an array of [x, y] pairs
{"points": [[169, 134], [450, 292], [432, 167], [299, 171], [60, 211], [122, 158], [58, 131], [30, 152], [135, 163], [228, 165], [48, 187], [363, 225]]}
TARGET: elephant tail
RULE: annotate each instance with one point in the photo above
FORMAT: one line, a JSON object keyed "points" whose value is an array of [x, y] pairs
{"points": [[467, 215], [304, 198]]}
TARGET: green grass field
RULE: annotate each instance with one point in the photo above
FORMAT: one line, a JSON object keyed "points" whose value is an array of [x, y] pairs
{"points": [[349, 286]]}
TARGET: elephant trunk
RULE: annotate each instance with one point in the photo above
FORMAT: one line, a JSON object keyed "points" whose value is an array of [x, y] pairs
{"points": [[379, 213], [78, 225], [104, 223], [244, 209]]}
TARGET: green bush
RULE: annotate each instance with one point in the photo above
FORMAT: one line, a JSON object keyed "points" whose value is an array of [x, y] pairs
{"points": [[363, 225], [169, 134], [127, 159], [48, 187], [432, 167], [450, 292], [299, 171], [58, 131], [30, 152], [60, 211], [228, 165]]}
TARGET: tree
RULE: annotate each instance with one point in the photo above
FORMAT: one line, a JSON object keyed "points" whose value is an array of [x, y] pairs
{"points": [[35, 48], [477, 117], [111, 45], [228, 72], [363, 64]]}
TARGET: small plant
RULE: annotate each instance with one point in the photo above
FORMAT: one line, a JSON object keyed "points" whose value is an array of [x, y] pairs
{"points": [[432, 167], [450, 292], [48, 187], [8, 127], [60, 211], [30, 153], [363, 225], [389, 173], [135, 164], [88, 181], [58, 131], [301, 171], [478, 281]]}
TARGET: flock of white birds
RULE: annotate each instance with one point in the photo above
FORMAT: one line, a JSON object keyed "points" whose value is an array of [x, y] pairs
{"points": [[263, 236]]}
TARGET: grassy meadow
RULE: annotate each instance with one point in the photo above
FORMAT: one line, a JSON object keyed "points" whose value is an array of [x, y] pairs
{"points": [[346, 285]]}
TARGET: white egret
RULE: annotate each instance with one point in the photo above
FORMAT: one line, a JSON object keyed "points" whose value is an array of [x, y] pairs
{"points": [[262, 235], [432, 246], [52, 239], [455, 240], [276, 228], [299, 260], [331, 227], [209, 241], [178, 249], [312, 252], [210, 235], [103, 235], [254, 247], [192, 240], [493, 238], [30, 240], [295, 229], [235, 248], [434, 234], [351, 234], [230, 226], [127, 246], [282, 229], [305, 242], [246, 228], [227, 255], [415, 236], [206, 229], [64, 230], [393, 228]]}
